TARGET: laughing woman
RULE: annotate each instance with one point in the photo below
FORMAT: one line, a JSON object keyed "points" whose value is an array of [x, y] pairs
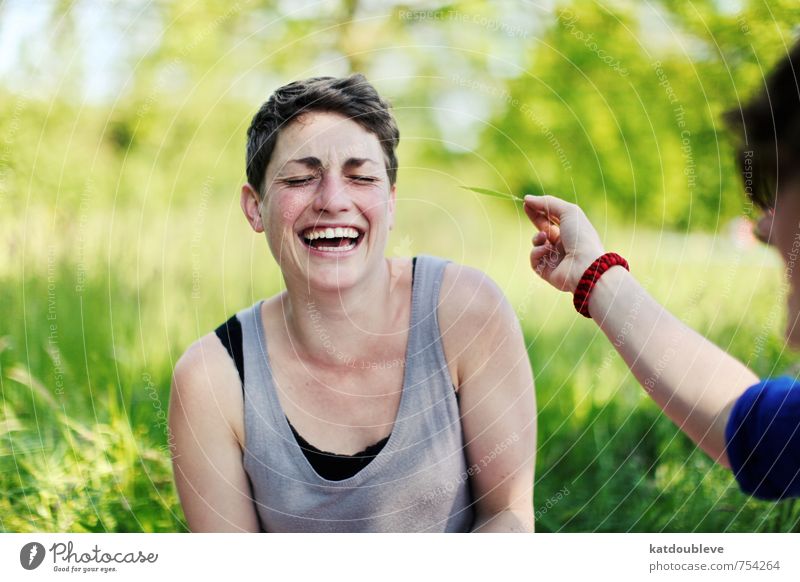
{"points": [[371, 395]]}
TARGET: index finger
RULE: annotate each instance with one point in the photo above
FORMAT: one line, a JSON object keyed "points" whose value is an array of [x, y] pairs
{"points": [[549, 205], [544, 209], [540, 220]]}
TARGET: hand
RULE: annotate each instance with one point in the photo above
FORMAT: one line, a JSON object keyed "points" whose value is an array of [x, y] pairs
{"points": [[566, 243]]}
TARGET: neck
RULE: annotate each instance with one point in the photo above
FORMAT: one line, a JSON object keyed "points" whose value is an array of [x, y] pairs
{"points": [[336, 328]]}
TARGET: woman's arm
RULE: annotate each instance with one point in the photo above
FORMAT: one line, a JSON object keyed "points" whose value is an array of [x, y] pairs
{"points": [[691, 379], [496, 397], [205, 434]]}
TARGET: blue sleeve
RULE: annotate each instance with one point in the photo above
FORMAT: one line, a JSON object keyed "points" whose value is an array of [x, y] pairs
{"points": [[763, 439]]}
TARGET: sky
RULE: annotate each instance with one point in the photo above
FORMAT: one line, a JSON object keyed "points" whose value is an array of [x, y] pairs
{"points": [[104, 36]]}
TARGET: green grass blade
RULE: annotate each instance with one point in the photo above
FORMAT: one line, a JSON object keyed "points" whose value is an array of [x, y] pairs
{"points": [[495, 193]]}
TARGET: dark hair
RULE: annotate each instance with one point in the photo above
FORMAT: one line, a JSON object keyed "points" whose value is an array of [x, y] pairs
{"points": [[768, 128], [353, 96]]}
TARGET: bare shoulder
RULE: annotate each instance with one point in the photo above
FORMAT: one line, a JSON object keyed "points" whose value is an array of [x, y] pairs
{"points": [[469, 299], [207, 358], [206, 385], [472, 311]]}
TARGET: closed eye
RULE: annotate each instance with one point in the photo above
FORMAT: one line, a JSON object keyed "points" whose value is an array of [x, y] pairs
{"points": [[364, 179], [300, 181]]}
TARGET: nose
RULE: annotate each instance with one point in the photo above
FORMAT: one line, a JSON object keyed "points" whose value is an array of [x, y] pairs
{"points": [[332, 195]]}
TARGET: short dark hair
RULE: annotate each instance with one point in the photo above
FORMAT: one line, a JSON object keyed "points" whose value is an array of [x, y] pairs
{"points": [[768, 131], [353, 96]]}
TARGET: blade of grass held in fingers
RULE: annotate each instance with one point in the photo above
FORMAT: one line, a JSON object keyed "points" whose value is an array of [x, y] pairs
{"points": [[494, 193], [486, 191]]}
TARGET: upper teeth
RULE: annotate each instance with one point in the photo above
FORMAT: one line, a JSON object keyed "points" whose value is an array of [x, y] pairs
{"points": [[338, 232]]}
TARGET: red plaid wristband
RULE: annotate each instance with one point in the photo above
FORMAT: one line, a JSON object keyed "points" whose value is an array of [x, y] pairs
{"points": [[590, 277]]}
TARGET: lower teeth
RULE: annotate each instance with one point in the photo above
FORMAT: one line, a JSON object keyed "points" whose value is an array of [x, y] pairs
{"points": [[337, 249]]}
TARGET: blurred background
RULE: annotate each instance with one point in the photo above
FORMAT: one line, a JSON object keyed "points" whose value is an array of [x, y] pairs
{"points": [[122, 134]]}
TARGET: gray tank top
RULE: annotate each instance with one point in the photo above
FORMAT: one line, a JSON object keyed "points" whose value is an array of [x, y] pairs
{"points": [[417, 483]]}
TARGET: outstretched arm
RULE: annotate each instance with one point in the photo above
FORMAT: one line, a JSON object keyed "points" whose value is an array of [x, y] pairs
{"points": [[691, 379]]}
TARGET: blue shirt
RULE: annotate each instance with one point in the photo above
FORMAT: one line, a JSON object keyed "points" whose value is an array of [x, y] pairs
{"points": [[763, 439]]}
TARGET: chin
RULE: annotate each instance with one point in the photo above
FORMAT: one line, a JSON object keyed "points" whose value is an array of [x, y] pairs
{"points": [[332, 277]]}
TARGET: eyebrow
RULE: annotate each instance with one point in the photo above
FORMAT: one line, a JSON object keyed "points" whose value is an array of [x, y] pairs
{"points": [[316, 163]]}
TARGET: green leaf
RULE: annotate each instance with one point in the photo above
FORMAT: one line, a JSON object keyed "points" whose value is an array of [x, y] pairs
{"points": [[494, 193]]}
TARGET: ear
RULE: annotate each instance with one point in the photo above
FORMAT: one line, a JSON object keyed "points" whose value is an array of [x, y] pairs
{"points": [[392, 203], [251, 206]]}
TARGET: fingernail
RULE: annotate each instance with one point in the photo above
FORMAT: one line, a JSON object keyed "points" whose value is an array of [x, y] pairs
{"points": [[528, 196]]}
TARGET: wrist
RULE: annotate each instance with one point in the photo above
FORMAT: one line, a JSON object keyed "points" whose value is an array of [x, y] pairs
{"points": [[605, 291], [581, 263], [591, 278]]}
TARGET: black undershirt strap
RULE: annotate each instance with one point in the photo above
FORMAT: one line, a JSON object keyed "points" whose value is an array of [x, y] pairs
{"points": [[230, 334]]}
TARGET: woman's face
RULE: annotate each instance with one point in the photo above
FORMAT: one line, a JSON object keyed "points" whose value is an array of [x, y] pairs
{"points": [[328, 206], [786, 237]]}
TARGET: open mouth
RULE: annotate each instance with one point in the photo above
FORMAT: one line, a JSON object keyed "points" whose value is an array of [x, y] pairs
{"points": [[332, 239]]}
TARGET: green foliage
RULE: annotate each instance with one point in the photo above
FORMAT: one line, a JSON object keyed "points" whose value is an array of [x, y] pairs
{"points": [[620, 110]]}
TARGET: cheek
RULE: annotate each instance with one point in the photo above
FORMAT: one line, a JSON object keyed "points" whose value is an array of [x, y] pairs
{"points": [[377, 209], [285, 211]]}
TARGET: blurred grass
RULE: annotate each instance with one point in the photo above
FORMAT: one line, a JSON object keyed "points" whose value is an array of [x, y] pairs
{"points": [[104, 309]]}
